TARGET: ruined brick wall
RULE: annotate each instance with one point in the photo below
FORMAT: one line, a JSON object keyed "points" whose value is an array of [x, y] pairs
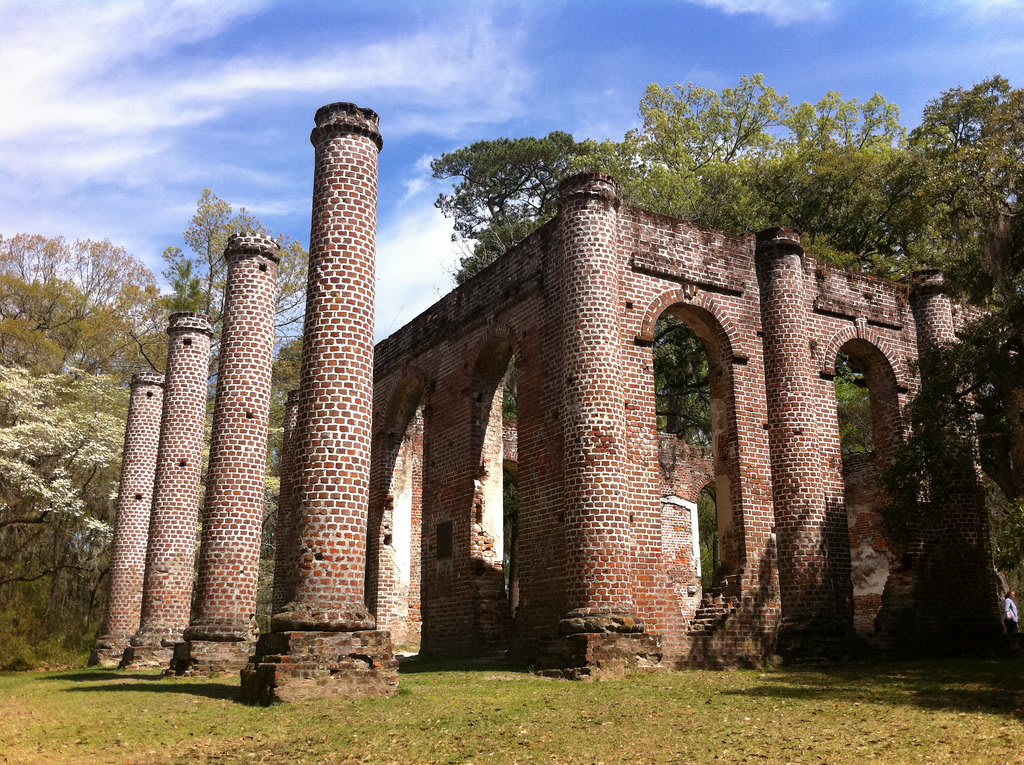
{"points": [[578, 310], [684, 470]]}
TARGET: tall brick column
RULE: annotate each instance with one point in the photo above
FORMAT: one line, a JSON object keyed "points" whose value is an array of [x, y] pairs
{"points": [[601, 625], [810, 623], [223, 632], [284, 557], [131, 526], [323, 641], [957, 595], [170, 559]]}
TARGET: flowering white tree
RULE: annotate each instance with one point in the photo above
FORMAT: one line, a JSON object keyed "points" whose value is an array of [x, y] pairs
{"points": [[60, 452]]}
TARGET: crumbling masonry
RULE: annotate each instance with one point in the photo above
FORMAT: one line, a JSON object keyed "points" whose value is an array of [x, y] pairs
{"points": [[397, 460]]}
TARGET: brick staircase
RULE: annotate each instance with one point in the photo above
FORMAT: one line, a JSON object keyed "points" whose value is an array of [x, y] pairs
{"points": [[715, 607]]}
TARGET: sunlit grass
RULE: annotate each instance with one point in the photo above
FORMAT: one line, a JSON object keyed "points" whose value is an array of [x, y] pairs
{"points": [[949, 711]]}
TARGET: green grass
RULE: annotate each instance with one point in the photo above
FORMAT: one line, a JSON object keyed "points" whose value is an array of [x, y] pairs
{"points": [[937, 711]]}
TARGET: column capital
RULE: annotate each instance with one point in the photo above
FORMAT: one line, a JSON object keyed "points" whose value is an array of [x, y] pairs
{"points": [[189, 321], [252, 243], [599, 186], [344, 118]]}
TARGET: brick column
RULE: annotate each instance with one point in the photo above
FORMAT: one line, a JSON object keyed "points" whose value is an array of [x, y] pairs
{"points": [[222, 635], [284, 554], [958, 591], [601, 618], [323, 641], [810, 623], [170, 559], [933, 310], [131, 527]]}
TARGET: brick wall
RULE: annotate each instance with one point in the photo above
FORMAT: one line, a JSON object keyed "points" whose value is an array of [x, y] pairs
{"points": [[577, 308]]}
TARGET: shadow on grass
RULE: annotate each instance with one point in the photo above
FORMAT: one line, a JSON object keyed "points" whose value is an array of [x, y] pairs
{"points": [[112, 680], [986, 686], [100, 675], [413, 665], [206, 690]]}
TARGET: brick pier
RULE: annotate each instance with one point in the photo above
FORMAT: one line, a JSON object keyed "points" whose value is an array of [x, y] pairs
{"points": [[131, 528], [323, 642], [223, 633], [170, 559]]}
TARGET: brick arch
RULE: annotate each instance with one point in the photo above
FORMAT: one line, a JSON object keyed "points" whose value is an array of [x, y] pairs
{"points": [[401, 401], [861, 331], [883, 382], [497, 334], [728, 334], [395, 609], [726, 345]]}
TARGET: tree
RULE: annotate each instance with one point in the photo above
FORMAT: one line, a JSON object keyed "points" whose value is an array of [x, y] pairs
{"points": [[843, 175], [83, 305], [689, 160], [197, 277], [973, 142], [60, 449], [682, 387], [506, 188]]}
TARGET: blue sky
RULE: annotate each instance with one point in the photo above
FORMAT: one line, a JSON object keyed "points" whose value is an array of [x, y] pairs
{"points": [[117, 114]]}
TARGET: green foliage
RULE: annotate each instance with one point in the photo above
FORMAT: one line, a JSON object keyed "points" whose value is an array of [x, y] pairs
{"points": [[186, 288], [690, 158], [744, 159], [82, 305], [60, 449], [937, 459], [506, 188], [682, 387], [972, 142], [707, 529], [1009, 538], [853, 405], [197, 277]]}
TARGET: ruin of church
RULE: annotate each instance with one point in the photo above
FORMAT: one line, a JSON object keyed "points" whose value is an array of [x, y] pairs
{"points": [[401, 462]]}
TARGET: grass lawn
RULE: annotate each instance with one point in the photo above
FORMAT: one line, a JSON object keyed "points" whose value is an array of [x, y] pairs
{"points": [[960, 711]]}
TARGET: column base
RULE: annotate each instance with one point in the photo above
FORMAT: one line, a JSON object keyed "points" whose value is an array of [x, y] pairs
{"points": [[203, 658], [146, 657], [107, 652], [152, 647], [295, 666], [586, 656]]}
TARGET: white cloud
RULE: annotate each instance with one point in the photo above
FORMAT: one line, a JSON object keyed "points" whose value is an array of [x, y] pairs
{"points": [[411, 273], [782, 12], [119, 111]]}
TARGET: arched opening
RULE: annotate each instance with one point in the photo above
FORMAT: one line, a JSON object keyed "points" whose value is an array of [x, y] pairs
{"points": [[693, 394], [708, 550], [393, 574], [494, 512], [867, 412]]}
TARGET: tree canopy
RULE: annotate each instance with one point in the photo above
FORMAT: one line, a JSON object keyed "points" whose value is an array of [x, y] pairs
{"points": [[506, 188]]}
